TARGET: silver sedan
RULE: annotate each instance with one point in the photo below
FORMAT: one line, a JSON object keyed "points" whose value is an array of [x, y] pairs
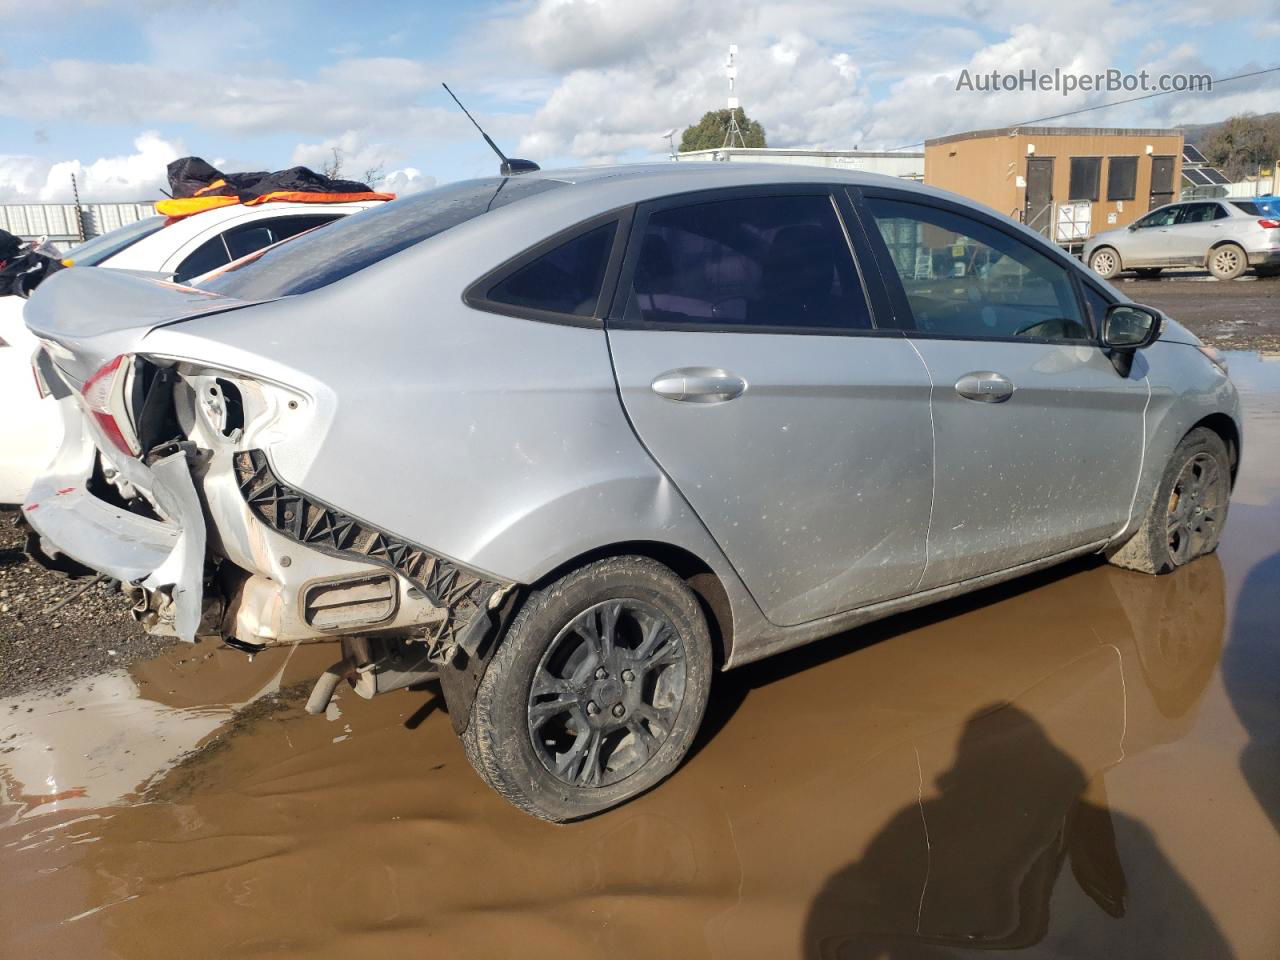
{"points": [[1224, 236], [570, 442]]}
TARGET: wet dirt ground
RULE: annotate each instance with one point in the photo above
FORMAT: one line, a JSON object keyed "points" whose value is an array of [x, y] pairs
{"points": [[1081, 764], [1241, 314]]}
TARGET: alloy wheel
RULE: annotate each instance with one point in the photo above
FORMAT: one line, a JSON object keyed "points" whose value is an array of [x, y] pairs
{"points": [[1196, 506], [607, 693], [1226, 260]]}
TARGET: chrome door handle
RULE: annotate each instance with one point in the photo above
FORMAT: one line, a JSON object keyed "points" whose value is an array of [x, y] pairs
{"points": [[985, 386], [698, 385]]}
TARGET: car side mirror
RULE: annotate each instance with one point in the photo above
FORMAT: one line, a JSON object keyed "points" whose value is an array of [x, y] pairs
{"points": [[1133, 227], [1130, 326], [1126, 329]]}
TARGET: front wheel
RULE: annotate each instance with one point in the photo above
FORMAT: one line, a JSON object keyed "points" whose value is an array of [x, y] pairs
{"points": [[596, 691], [1105, 262], [1185, 519]]}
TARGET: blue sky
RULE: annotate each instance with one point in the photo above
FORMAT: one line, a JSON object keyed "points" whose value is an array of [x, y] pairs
{"points": [[111, 91]]}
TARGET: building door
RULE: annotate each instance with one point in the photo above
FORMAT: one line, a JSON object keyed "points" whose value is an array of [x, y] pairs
{"points": [[1038, 214], [1161, 182]]}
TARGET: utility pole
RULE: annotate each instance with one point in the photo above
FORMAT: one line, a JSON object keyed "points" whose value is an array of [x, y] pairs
{"points": [[75, 192]]}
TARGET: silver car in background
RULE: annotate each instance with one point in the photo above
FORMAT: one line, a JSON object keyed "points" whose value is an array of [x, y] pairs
{"points": [[570, 441], [1224, 236]]}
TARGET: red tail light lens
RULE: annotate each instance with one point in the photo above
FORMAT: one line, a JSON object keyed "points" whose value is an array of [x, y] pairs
{"points": [[104, 397], [1269, 224]]}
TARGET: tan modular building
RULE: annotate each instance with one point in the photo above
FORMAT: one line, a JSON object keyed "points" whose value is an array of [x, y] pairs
{"points": [[1065, 182]]}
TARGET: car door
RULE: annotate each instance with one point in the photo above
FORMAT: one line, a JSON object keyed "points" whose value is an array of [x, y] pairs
{"points": [[1038, 440], [749, 364], [1198, 228], [1147, 243]]}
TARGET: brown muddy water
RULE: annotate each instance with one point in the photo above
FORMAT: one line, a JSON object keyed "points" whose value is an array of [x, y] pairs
{"points": [[1083, 764]]}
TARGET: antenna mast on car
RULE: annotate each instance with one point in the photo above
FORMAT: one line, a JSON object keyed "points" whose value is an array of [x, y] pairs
{"points": [[510, 166]]}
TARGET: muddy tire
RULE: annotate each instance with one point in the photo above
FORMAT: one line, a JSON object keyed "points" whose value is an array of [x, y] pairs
{"points": [[1187, 513], [1148, 273], [596, 691], [1228, 261], [1105, 262]]}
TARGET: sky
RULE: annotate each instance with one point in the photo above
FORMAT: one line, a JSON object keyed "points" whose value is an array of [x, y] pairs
{"points": [[113, 91]]}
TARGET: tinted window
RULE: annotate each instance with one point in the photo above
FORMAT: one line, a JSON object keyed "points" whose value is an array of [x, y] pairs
{"points": [[1252, 209], [1201, 213], [1160, 218], [355, 242], [93, 252], [1122, 178], [282, 228], [208, 256], [755, 261], [566, 280], [1084, 178], [243, 241], [963, 278]]}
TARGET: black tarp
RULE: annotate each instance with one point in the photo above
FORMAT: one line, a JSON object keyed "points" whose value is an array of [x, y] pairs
{"points": [[193, 177]]}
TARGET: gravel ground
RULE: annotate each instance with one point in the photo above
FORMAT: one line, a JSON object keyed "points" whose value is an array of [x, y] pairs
{"points": [[91, 634]]}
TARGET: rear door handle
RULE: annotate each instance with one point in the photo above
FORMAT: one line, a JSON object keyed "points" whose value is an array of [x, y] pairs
{"points": [[698, 385], [985, 386]]}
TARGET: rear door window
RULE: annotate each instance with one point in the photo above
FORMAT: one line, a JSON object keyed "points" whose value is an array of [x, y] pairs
{"points": [[761, 262], [963, 278]]}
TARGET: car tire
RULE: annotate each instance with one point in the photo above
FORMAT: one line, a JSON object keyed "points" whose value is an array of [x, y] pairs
{"points": [[1149, 273], [1185, 517], [1105, 262], [1228, 261], [595, 692]]}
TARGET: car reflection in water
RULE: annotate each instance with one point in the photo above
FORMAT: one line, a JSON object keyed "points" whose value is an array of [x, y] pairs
{"points": [[977, 861]]}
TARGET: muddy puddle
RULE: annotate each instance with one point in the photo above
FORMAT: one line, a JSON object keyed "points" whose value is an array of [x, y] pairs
{"points": [[1082, 764]]}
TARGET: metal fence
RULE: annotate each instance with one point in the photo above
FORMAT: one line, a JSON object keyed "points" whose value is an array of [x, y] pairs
{"points": [[60, 222]]}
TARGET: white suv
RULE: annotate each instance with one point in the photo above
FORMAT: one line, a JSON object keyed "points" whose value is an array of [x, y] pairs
{"points": [[180, 250]]}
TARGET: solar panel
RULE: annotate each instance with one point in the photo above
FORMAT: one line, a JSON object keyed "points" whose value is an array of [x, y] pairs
{"points": [[1215, 175], [1192, 155], [1196, 176]]}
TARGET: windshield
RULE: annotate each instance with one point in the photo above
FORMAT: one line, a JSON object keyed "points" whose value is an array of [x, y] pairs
{"points": [[325, 256], [93, 252]]}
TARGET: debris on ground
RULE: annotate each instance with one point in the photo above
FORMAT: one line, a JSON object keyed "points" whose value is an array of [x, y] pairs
{"points": [[48, 635]]}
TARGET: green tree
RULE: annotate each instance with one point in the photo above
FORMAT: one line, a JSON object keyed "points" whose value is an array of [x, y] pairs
{"points": [[709, 132], [1243, 143]]}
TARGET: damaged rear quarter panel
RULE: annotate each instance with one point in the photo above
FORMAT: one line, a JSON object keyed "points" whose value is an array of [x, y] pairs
{"points": [[495, 441]]}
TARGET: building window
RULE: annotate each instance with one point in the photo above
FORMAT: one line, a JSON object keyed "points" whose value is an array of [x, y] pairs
{"points": [[1084, 178], [1122, 178]]}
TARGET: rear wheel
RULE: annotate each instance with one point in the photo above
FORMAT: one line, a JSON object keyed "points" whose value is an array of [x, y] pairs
{"points": [[596, 692], [1227, 261], [1185, 519], [1105, 262]]}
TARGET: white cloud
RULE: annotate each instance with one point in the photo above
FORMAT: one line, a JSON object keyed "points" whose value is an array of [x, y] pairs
{"points": [[136, 176]]}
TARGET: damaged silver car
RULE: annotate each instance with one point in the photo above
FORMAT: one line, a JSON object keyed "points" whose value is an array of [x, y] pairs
{"points": [[571, 442]]}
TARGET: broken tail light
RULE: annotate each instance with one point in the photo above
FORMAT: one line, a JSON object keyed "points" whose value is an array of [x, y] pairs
{"points": [[104, 397]]}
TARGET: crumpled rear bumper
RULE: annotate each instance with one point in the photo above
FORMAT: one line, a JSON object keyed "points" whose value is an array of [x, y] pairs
{"points": [[160, 555]]}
